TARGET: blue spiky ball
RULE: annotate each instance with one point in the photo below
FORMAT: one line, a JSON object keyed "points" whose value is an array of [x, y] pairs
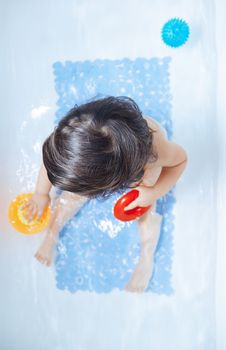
{"points": [[175, 32]]}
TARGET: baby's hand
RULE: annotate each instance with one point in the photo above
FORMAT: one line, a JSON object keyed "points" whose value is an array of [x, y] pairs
{"points": [[36, 206], [146, 197]]}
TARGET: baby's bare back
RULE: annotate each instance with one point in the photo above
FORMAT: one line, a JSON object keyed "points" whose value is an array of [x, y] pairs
{"points": [[153, 170]]}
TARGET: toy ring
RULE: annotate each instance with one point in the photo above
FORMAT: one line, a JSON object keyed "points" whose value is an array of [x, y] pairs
{"points": [[18, 220], [125, 200]]}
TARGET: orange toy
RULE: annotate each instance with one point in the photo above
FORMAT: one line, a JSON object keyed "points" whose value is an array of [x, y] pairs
{"points": [[19, 222]]}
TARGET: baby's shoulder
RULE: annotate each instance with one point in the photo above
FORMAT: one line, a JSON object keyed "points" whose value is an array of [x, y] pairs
{"points": [[156, 126], [169, 153], [159, 136]]}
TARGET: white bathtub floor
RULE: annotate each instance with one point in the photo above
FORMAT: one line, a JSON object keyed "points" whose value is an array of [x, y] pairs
{"points": [[34, 314]]}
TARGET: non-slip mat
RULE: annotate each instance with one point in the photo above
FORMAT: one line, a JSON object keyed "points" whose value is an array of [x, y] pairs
{"points": [[96, 252]]}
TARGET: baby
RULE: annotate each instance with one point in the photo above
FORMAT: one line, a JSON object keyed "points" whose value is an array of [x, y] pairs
{"points": [[97, 149]]}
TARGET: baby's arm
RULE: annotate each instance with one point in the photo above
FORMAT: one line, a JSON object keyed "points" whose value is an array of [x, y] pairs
{"points": [[40, 199], [174, 161], [172, 158], [43, 185], [65, 207]]}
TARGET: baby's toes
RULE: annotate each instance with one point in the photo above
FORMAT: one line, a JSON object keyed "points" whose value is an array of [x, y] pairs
{"points": [[130, 288], [47, 261], [43, 259], [40, 258]]}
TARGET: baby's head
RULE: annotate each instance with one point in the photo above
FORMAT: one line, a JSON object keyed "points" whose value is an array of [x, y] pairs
{"points": [[99, 147]]}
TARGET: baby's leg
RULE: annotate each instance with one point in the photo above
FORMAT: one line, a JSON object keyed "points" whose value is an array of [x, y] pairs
{"points": [[149, 229], [64, 208]]}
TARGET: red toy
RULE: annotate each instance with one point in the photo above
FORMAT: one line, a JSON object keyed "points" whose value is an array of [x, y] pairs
{"points": [[132, 214]]}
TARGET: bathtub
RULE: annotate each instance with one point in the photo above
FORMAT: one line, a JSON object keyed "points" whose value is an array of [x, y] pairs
{"points": [[34, 313]]}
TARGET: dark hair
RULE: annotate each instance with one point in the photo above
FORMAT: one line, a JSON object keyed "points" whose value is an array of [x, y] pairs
{"points": [[99, 147]]}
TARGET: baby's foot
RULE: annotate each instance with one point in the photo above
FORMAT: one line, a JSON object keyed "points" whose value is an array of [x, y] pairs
{"points": [[140, 278], [143, 272], [45, 252]]}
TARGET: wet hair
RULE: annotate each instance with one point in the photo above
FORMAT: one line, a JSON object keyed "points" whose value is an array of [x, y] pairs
{"points": [[99, 147]]}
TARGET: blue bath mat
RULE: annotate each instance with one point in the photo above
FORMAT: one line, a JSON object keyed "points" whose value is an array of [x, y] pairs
{"points": [[96, 252]]}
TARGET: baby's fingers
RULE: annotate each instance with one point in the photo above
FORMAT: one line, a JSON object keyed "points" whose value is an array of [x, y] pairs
{"points": [[25, 205], [132, 205], [30, 212], [39, 214]]}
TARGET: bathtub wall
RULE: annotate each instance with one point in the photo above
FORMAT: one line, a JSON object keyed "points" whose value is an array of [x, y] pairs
{"points": [[36, 314], [221, 192]]}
